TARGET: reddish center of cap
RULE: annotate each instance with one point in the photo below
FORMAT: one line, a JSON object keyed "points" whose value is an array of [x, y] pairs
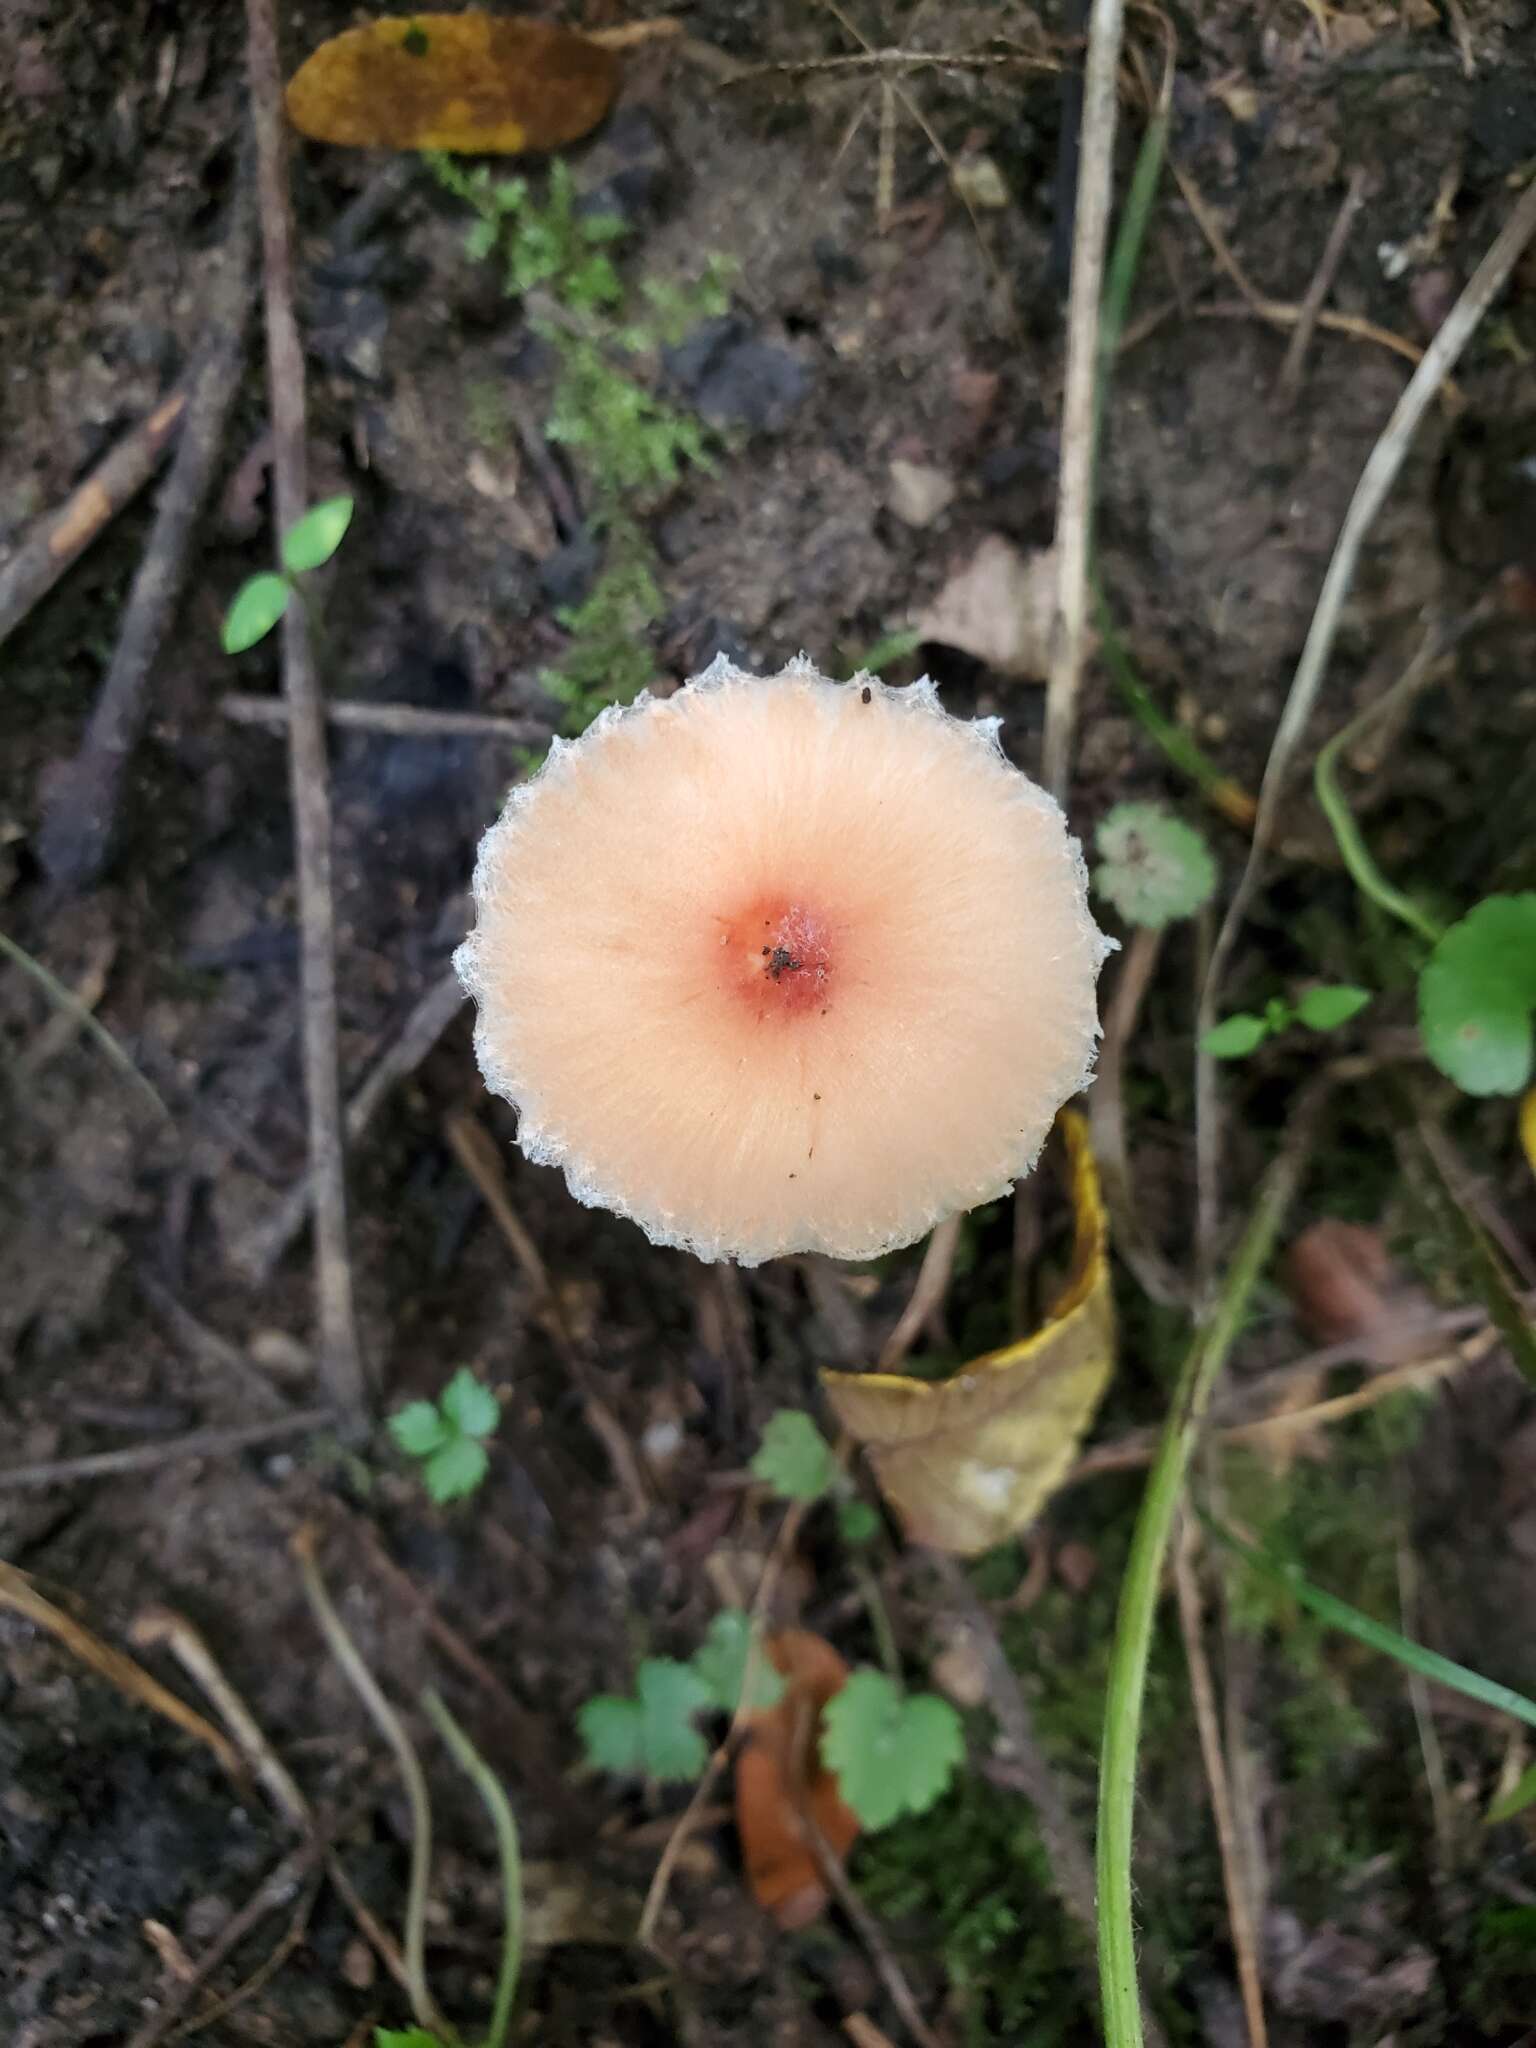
{"points": [[777, 957]]}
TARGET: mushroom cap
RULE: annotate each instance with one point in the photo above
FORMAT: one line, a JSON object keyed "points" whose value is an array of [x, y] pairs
{"points": [[778, 964]]}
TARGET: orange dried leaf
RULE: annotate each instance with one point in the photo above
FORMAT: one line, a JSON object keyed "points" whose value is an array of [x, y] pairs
{"points": [[473, 83], [780, 1778], [970, 1460]]}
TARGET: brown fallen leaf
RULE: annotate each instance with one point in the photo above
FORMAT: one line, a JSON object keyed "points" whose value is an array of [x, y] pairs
{"points": [[972, 1459], [998, 606], [477, 84], [780, 1778]]}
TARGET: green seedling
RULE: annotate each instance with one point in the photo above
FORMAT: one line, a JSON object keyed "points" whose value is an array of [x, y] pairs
{"points": [[1320, 1009], [447, 1436], [262, 600], [1477, 997], [650, 1732], [1152, 866], [795, 1461], [894, 1752]]}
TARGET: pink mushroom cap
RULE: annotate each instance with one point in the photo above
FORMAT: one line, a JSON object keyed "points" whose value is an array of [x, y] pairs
{"points": [[778, 964]]}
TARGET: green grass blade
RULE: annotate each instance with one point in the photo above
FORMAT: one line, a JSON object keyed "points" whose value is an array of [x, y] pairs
{"points": [[1138, 1601], [1353, 851], [67, 1001], [1519, 1796], [1375, 1634]]}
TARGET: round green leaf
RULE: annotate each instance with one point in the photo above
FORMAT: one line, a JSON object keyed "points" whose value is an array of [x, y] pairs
{"points": [[312, 540], [1152, 866], [1324, 1009], [1235, 1037], [1477, 997], [257, 607]]}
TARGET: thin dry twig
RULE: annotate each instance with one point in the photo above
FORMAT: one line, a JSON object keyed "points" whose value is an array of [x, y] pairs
{"points": [[1245, 1942], [1376, 480], [197, 1443], [256, 1255], [869, 1931], [693, 1812], [406, 721], [163, 1627], [60, 538], [80, 809], [1074, 510], [1106, 1114], [19, 1594], [927, 1297], [1288, 382], [341, 1361], [476, 1152]]}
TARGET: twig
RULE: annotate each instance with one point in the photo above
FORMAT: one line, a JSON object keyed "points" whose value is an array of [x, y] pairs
{"points": [[69, 1006], [407, 721], [197, 1443], [60, 538], [164, 1627], [1126, 1688], [80, 809], [23, 1598], [927, 1297], [257, 1254], [1203, 1694], [476, 1152], [869, 1931], [1376, 480], [688, 1819], [1106, 1116], [1075, 502], [340, 1360], [276, 1890], [265, 1971], [1288, 382], [392, 1728]]}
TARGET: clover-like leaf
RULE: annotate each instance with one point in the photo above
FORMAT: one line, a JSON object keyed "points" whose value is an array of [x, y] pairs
{"points": [[1152, 866], [610, 1731], [721, 1662], [894, 1752], [311, 541], [857, 1522], [1235, 1037], [419, 1429], [1477, 997], [1324, 1009], [254, 610], [794, 1458], [456, 1470], [469, 1404]]}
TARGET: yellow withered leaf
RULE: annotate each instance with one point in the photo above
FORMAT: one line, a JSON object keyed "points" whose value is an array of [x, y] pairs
{"points": [[968, 1461], [473, 83]]}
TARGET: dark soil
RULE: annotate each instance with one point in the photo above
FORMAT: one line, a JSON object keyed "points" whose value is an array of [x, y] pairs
{"points": [[132, 1303]]}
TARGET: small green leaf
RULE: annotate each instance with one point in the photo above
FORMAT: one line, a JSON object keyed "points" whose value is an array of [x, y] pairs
{"points": [[1324, 1009], [419, 1429], [794, 1457], [857, 1522], [670, 1695], [1477, 997], [255, 610], [1235, 1037], [311, 541], [1152, 866], [404, 2037], [893, 1752], [456, 1470], [469, 1405], [721, 1662], [610, 1730]]}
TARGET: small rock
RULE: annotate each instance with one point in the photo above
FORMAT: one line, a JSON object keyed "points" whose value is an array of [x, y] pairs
{"points": [[282, 1357], [357, 1966], [734, 379], [1432, 295], [566, 577], [629, 170], [348, 331], [981, 184], [998, 606], [960, 1670], [918, 493]]}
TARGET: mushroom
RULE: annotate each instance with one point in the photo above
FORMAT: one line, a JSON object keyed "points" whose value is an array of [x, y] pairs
{"points": [[778, 964]]}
